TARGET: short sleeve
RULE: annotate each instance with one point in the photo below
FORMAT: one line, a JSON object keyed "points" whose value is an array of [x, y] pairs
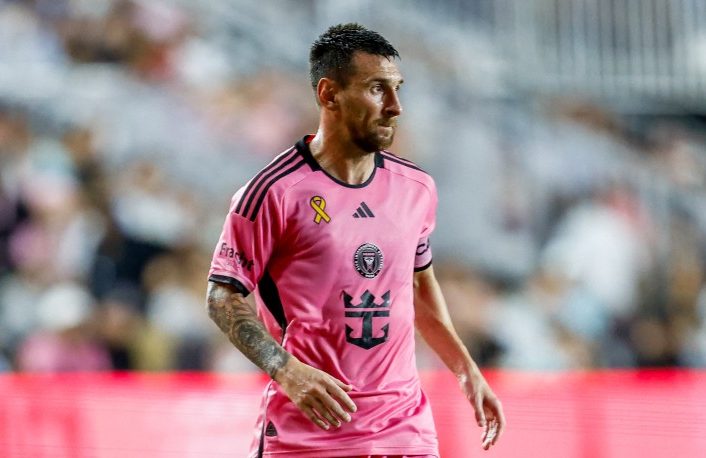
{"points": [[245, 245], [423, 255]]}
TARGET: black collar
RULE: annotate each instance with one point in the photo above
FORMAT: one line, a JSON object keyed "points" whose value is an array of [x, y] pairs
{"points": [[303, 149]]}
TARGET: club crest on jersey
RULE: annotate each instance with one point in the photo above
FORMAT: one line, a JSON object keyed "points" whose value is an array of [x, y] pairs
{"points": [[368, 260], [318, 203]]}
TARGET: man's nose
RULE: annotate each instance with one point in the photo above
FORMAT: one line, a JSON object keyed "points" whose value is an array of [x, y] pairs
{"points": [[393, 106]]}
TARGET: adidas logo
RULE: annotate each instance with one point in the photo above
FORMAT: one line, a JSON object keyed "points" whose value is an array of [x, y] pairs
{"points": [[363, 212]]}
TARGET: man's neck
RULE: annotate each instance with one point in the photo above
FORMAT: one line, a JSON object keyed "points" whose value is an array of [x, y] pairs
{"points": [[343, 160]]}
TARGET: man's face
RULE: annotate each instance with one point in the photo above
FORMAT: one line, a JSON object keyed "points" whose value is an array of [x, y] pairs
{"points": [[369, 102]]}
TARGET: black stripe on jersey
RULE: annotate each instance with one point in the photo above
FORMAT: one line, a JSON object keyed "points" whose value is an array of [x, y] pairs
{"points": [[398, 157], [255, 181], [303, 148], [424, 267], [266, 179], [270, 296], [230, 281], [269, 185], [398, 160]]}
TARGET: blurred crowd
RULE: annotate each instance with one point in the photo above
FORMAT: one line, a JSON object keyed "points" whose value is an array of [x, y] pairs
{"points": [[568, 236]]}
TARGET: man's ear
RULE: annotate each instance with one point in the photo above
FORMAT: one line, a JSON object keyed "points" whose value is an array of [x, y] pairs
{"points": [[326, 92]]}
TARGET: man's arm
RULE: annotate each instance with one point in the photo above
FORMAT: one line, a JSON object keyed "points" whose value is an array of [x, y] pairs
{"points": [[434, 324], [317, 394], [239, 322]]}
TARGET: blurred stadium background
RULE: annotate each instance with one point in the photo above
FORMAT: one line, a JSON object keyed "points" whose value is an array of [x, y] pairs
{"points": [[566, 138]]}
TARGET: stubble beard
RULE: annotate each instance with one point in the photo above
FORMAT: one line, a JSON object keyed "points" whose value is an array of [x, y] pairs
{"points": [[372, 142]]}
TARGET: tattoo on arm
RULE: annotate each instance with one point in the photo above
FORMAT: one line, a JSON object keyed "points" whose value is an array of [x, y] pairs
{"points": [[244, 329]]}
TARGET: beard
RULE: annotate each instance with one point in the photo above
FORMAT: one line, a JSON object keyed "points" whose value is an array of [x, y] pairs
{"points": [[372, 141]]}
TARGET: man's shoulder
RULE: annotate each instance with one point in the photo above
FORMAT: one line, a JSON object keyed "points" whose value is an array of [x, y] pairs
{"points": [[406, 169], [286, 169]]}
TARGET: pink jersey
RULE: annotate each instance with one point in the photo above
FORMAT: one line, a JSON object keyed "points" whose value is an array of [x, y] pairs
{"points": [[332, 265]]}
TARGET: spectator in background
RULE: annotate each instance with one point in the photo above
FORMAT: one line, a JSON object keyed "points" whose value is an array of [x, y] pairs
{"points": [[65, 339]]}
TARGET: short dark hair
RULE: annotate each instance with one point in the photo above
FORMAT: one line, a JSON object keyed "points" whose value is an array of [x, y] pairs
{"points": [[331, 54]]}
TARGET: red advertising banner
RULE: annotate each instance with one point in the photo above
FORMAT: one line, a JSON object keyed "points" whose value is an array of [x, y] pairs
{"points": [[623, 414]]}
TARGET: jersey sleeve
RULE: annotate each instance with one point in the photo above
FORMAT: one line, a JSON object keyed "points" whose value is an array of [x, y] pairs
{"points": [[245, 246], [423, 255]]}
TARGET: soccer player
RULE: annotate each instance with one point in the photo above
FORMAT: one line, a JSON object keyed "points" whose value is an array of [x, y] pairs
{"points": [[333, 236]]}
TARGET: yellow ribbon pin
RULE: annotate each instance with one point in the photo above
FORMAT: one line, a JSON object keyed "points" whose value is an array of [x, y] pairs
{"points": [[318, 204]]}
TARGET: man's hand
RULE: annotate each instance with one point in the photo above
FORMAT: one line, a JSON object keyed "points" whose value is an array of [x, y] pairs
{"points": [[489, 410], [314, 392], [318, 395]]}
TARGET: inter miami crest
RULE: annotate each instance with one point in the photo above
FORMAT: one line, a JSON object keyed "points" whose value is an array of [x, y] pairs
{"points": [[368, 260]]}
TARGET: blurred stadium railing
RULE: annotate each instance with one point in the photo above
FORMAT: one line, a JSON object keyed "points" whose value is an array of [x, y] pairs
{"points": [[637, 53]]}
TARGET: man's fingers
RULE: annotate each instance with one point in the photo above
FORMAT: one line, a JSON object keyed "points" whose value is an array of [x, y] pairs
{"points": [[491, 435], [335, 407], [321, 397], [500, 416], [323, 410], [342, 385], [480, 413], [496, 423], [338, 389], [315, 418]]}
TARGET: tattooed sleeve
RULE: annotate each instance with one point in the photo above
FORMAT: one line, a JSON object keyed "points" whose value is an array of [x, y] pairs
{"points": [[234, 316]]}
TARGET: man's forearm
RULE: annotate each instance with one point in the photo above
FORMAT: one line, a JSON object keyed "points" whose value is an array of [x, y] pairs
{"points": [[229, 310], [434, 324], [444, 341]]}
